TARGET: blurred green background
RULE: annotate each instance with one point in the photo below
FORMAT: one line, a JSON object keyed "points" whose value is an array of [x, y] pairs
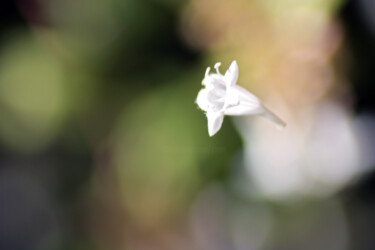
{"points": [[102, 145]]}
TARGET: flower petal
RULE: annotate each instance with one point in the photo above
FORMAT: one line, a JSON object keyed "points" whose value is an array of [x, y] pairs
{"points": [[215, 120], [231, 75], [202, 100], [245, 96], [214, 80], [244, 109], [231, 98]]}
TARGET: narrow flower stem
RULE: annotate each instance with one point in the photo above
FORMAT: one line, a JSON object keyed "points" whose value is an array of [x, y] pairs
{"points": [[274, 118]]}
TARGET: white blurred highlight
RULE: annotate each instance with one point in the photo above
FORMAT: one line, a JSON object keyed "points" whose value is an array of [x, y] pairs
{"points": [[319, 152]]}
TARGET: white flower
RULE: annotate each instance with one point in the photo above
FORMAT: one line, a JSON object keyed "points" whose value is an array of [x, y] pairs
{"points": [[221, 96]]}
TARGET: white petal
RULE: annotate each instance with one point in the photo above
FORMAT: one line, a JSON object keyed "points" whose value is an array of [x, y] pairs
{"points": [[202, 100], [239, 101], [216, 103], [215, 120], [244, 109], [231, 98], [250, 105], [215, 94], [245, 96], [213, 81], [231, 75]]}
